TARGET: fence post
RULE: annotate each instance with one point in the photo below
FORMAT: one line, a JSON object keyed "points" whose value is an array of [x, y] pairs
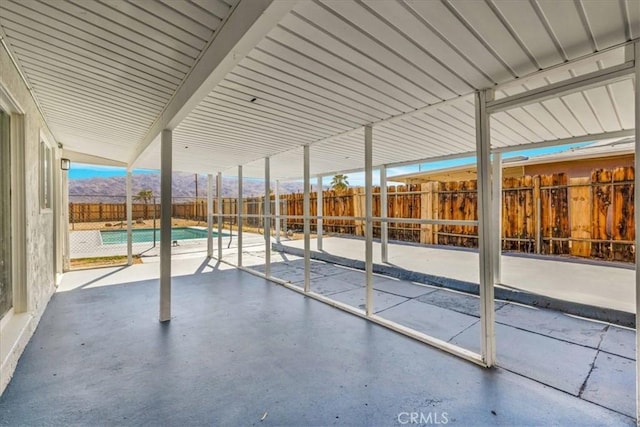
{"points": [[319, 202], [357, 211], [496, 199], [210, 215], [124, 209], [277, 209], [154, 222], [426, 208], [538, 204], [384, 225], [286, 212]]}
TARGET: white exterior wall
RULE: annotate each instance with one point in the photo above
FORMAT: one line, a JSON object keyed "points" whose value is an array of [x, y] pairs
{"points": [[40, 274]]}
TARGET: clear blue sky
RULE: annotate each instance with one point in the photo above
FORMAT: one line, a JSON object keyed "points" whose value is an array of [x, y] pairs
{"points": [[357, 179], [82, 171]]}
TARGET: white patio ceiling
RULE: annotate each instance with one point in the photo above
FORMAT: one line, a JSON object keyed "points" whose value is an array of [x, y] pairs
{"points": [[103, 71], [327, 69]]}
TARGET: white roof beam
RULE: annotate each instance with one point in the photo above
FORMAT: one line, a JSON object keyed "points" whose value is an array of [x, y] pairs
{"points": [[78, 157], [556, 90], [431, 159], [245, 27], [564, 141], [520, 81]]}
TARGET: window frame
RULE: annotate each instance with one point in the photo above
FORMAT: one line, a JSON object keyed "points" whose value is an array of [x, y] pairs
{"points": [[45, 173]]}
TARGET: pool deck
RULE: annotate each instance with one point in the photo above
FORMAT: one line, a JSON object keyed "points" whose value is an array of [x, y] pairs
{"points": [[608, 285], [597, 284]]}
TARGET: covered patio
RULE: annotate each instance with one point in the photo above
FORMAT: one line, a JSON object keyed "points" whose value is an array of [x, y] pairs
{"points": [[240, 348], [300, 90]]}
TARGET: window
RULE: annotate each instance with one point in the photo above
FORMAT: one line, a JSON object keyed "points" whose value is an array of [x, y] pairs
{"points": [[45, 175]]}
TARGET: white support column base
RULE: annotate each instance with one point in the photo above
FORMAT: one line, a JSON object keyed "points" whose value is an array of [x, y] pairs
{"points": [[368, 189], [165, 224], [485, 229], [267, 217], [384, 226], [240, 215], [636, 57], [306, 212], [496, 198], [129, 219], [319, 206], [277, 206], [210, 216], [219, 202]]}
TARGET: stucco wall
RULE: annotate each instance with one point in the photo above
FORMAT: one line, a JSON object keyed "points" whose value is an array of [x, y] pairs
{"points": [[580, 168], [39, 225]]}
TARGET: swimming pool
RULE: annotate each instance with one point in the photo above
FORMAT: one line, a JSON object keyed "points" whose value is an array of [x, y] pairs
{"points": [[111, 237]]}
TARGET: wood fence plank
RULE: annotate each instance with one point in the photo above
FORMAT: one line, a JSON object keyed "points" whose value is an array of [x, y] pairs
{"points": [[580, 215]]}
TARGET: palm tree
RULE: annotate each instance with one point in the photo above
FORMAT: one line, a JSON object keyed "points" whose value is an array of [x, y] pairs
{"points": [[339, 183], [144, 196]]}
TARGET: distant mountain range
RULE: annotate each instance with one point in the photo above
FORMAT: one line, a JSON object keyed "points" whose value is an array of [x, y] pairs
{"points": [[113, 189]]}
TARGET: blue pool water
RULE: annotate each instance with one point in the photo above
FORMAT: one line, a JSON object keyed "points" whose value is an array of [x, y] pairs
{"points": [[111, 237]]}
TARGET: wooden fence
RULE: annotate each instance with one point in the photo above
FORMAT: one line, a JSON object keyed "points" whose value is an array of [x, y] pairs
{"points": [[588, 217], [547, 214], [101, 212]]}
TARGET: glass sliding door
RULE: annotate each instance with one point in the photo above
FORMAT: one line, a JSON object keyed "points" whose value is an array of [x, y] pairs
{"points": [[6, 287]]}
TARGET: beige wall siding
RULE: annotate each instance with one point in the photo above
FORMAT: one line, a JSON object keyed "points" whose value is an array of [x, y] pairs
{"points": [[579, 168]]}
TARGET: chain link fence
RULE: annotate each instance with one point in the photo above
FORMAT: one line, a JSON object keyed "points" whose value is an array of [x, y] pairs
{"points": [[98, 227]]}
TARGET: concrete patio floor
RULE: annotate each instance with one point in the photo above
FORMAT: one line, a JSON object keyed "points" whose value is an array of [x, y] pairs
{"points": [[588, 359], [240, 349], [608, 285]]}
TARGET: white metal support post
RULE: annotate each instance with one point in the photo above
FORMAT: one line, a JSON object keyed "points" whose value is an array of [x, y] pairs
{"points": [[496, 197], [240, 203], [319, 203], [65, 235], [165, 224], [306, 211], [485, 232], [636, 212], [219, 202], [368, 203], [210, 216], [384, 225], [267, 217], [129, 219], [277, 205]]}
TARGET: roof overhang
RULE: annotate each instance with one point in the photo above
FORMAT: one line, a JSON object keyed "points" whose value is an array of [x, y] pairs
{"points": [[513, 167], [274, 76]]}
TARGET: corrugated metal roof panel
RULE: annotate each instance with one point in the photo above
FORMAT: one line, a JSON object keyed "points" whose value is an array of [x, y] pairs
{"points": [[408, 67], [103, 71]]}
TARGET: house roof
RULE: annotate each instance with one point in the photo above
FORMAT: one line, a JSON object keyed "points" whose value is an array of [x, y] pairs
{"points": [[240, 80], [515, 166]]}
